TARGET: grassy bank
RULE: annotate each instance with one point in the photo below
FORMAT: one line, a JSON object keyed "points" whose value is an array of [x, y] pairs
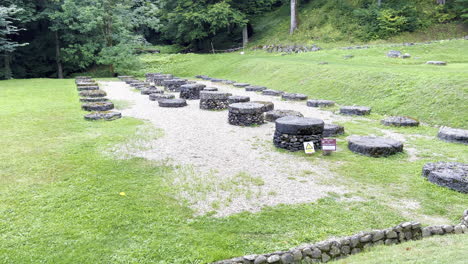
{"points": [[436, 95]]}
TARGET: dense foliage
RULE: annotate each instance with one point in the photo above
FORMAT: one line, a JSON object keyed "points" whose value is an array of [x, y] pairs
{"points": [[70, 36]]}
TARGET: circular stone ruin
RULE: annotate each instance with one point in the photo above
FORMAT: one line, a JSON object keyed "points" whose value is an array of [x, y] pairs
{"points": [[172, 103], [253, 88], [294, 96], [453, 175], [320, 103], [332, 130], [106, 115], [245, 114], [93, 99], [216, 80], [210, 89], [399, 121], [159, 79], [228, 82], [241, 85], [292, 131], [158, 97], [151, 90], [191, 91], [267, 106], [355, 110], [93, 93], [374, 146], [272, 115], [454, 135], [214, 100], [272, 92], [238, 99], [87, 88], [99, 106], [438, 63], [173, 85]]}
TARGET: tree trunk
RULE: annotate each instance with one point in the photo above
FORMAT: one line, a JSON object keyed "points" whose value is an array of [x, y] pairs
{"points": [[245, 36], [57, 57], [8, 75], [293, 16], [441, 2], [379, 3]]}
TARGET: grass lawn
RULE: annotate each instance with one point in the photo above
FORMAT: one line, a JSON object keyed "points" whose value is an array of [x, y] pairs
{"points": [[60, 188], [435, 95]]}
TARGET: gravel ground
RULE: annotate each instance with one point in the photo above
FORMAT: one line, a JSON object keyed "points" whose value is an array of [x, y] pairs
{"points": [[222, 168]]}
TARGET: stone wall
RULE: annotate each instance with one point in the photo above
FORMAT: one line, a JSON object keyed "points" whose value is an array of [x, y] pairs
{"points": [[338, 248]]}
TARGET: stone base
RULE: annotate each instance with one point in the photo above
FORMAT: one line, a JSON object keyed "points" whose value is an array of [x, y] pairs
{"points": [[93, 99], [100, 106], [149, 91], [172, 103], [108, 115], [453, 135], [267, 106], [93, 93], [374, 147], [238, 99], [191, 91], [355, 110], [320, 103], [87, 88], [253, 88], [158, 97], [272, 92], [438, 63], [294, 96], [241, 85], [399, 121], [210, 89], [452, 175], [331, 130], [271, 116], [245, 119], [214, 104], [296, 142]]}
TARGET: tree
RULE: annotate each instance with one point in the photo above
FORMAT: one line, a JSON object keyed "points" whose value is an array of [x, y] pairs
{"points": [[7, 29], [294, 22]]}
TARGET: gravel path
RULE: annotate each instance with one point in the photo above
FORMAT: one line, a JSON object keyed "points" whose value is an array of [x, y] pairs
{"points": [[224, 168]]}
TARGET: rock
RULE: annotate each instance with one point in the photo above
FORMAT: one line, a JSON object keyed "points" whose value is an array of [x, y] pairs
{"points": [[173, 85], [399, 121], [294, 96], [210, 89], [355, 251], [453, 175], [253, 88], [172, 103], [99, 106], [366, 238], [448, 228], [320, 103], [105, 115], [271, 116], [316, 253], [87, 88], [260, 260], [323, 63], [374, 146], [297, 255], [216, 80], [273, 259], [438, 63], [191, 91], [158, 97], [347, 57], [267, 106], [241, 85], [238, 99], [391, 234], [292, 131], [93, 99], [272, 92], [453, 135], [378, 235], [93, 93], [325, 257], [405, 56], [458, 229], [228, 82], [332, 130], [245, 114], [346, 250], [355, 110], [394, 54], [287, 258], [214, 100], [149, 91]]}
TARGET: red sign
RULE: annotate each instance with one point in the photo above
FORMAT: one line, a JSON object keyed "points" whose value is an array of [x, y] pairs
{"points": [[329, 144]]}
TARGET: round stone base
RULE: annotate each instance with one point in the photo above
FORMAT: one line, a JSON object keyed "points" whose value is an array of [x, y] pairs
{"points": [[87, 88], [241, 85], [158, 97], [191, 91], [293, 97], [149, 91], [296, 142], [238, 99], [172, 103], [292, 131], [374, 146], [399, 121], [267, 106], [438, 63], [107, 115], [453, 175], [271, 116], [332, 130], [214, 100], [174, 84], [245, 114], [100, 106], [454, 135], [320, 103], [93, 93], [272, 92], [93, 99], [253, 88], [355, 110], [210, 89]]}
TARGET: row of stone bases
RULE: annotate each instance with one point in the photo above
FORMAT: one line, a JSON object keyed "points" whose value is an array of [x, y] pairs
{"points": [[338, 248], [94, 100]]}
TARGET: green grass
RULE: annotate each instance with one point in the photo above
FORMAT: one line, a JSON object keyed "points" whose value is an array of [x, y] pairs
{"points": [[424, 251], [435, 95], [60, 202]]}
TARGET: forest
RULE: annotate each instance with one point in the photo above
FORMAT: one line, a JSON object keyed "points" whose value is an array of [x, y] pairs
{"points": [[58, 38]]}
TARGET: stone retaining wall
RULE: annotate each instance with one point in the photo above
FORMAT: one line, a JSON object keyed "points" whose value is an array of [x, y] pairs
{"points": [[338, 248]]}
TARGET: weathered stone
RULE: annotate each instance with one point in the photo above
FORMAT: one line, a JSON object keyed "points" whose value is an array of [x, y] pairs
{"points": [[172, 103], [216, 80], [291, 132], [93, 93], [158, 97], [105, 115], [390, 241], [355, 110], [438, 63], [394, 54], [287, 258], [93, 99], [346, 250], [334, 251], [377, 235], [453, 175], [148, 91], [99, 106], [267, 106], [214, 100], [400, 121], [293, 96], [454, 135], [320, 103], [191, 91], [272, 92], [391, 234], [238, 99], [173, 85], [241, 85], [458, 229], [271, 116], [354, 241], [273, 259], [297, 255], [374, 146], [316, 253], [324, 246], [325, 257], [210, 89], [366, 238], [253, 88], [332, 130], [448, 228], [87, 88], [355, 251], [260, 260], [245, 114]]}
